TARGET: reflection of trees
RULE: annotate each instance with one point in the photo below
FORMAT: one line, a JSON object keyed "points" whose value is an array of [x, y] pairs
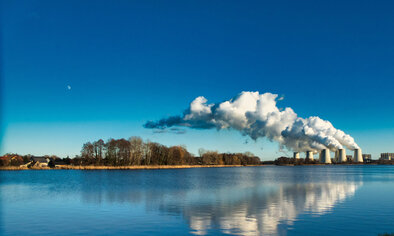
{"points": [[241, 208]]}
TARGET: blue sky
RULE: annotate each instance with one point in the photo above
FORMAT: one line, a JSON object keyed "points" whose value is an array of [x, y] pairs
{"points": [[132, 61]]}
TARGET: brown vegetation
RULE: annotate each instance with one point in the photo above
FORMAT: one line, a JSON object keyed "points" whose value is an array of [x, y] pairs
{"points": [[72, 167], [292, 161], [134, 153], [68, 167]]}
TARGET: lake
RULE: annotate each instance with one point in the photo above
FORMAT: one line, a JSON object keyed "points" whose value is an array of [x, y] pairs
{"points": [[267, 200]]}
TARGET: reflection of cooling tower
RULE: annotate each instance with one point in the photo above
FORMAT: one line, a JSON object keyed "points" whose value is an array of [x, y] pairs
{"points": [[296, 155], [357, 155], [309, 155], [341, 155], [325, 156]]}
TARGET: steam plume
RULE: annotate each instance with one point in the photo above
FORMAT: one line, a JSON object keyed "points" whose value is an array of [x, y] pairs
{"points": [[257, 115]]}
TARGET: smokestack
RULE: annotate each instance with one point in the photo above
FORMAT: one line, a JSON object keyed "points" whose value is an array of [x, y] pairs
{"points": [[325, 156], [309, 155], [342, 155], [296, 155], [358, 157]]}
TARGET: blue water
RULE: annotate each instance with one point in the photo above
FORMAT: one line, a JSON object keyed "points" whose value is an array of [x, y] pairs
{"points": [[306, 200]]}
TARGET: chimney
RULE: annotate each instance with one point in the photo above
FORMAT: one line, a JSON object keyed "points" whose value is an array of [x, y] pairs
{"points": [[309, 155], [325, 156], [358, 157], [342, 155], [296, 155]]}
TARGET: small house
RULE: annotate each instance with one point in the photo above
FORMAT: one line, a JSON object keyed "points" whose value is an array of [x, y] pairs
{"points": [[40, 161]]}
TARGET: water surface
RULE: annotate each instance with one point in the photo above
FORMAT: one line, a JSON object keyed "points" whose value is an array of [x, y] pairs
{"points": [[270, 200]]}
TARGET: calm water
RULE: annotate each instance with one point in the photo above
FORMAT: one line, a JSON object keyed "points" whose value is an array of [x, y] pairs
{"points": [[345, 200]]}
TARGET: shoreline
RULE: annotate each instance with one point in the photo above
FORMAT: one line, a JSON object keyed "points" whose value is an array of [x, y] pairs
{"points": [[156, 167]]}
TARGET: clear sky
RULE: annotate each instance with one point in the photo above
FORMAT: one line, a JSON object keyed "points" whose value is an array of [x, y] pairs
{"points": [[77, 71]]}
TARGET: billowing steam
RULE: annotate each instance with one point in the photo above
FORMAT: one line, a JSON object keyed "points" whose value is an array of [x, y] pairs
{"points": [[257, 115]]}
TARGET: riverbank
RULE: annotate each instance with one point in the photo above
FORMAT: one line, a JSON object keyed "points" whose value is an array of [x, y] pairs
{"points": [[71, 167]]}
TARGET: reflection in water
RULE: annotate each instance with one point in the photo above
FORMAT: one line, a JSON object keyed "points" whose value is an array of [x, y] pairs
{"points": [[262, 209], [237, 201], [263, 214]]}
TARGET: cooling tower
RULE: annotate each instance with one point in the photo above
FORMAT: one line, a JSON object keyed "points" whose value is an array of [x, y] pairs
{"points": [[296, 155], [342, 155], [325, 156], [358, 157], [309, 155]]}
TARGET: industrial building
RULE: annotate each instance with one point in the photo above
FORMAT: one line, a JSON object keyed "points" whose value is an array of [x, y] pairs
{"points": [[340, 156], [386, 156], [309, 155], [367, 157], [325, 156]]}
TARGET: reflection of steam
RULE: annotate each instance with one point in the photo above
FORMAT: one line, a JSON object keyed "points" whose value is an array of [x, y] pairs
{"points": [[240, 209], [263, 215], [240, 201], [331, 195]]}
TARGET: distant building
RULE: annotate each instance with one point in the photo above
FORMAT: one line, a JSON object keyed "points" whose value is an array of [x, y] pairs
{"points": [[349, 157], [40, 161], [386, 156], [367, 158]]}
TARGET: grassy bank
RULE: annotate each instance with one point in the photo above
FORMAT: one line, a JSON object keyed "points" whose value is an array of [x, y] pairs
{"points": [[23, 168], [71, 167]]}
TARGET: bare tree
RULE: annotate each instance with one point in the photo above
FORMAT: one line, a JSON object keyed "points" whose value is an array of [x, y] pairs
{"points": [[98, 150], [201, 152], [136, 150], [87, 152]]}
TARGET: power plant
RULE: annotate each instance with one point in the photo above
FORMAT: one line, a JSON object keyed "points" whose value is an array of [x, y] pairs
{"points": [[341, 155], [325, 156], [358, 157], [309, 155]]}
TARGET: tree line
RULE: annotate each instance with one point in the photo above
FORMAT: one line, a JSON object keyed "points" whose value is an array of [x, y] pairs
{"points": [[134, 151]]}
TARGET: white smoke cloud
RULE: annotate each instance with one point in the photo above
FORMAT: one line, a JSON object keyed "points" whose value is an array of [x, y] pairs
{"points": [[257, 115]]}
